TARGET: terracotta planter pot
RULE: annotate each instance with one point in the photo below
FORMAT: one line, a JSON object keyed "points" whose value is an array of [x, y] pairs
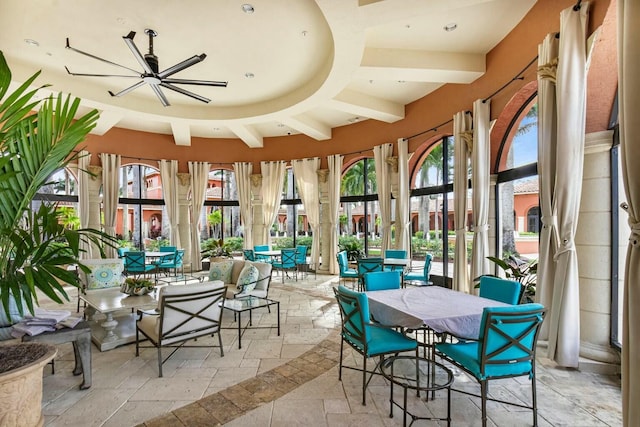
{"points": [[21, 388]]}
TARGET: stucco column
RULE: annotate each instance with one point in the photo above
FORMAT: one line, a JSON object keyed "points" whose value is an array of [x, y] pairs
{"points": [[393, 178], [95, 203], [258, 220], [593, 247], [325, 225], [184, 228]]}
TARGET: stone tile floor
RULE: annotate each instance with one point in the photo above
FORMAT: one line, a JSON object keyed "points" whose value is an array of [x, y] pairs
{"points": [[292, 379]]}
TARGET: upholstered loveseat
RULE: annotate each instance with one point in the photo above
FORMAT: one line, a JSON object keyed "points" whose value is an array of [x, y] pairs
{"points": [[242, 277]]}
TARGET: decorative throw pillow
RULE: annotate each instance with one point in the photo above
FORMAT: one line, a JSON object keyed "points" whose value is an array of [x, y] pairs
{"points": [[221, 271], [105, 273], [248, 278]]}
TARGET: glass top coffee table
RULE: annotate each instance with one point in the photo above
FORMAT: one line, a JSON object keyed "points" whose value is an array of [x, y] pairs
{"points": [[249, 303], [420, 374]]}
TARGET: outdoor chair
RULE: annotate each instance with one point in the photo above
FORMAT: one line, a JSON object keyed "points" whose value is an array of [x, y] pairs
{"points": [[135, 264], [122, 251], [422, 276], [301, 259], [184, 313], [367, 265], [103, 273], [498, 289], [168, 248], [262, 248], [249, 254], [506, 348], [367, 338], [394, 253], [382, 280], [287, 263], [343, 264], [173, 262]]}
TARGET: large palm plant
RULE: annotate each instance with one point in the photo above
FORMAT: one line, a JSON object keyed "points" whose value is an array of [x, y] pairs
{"points": [[35, 247]]}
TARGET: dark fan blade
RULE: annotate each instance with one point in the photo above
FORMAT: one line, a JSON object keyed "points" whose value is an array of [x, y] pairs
{"points": [[100, 59], [195, 82], [128, 39], [185, 92], [181, 66], [99, 75], [161, 96], [129, 89]]}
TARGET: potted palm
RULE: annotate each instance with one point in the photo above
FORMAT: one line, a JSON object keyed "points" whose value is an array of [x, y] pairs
{"points": [[35, 246]]}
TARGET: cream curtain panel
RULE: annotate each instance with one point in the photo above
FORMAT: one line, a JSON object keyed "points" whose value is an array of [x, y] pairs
{"points": [[333, 183], [383, 179], [243, 171], [480, 157], [564, 318], [272, 181], [629, 105], [403, 199], [110, 193], [199, 179], [461, 136], [306, 173], [169, 177], [547, 126], [84, 159]]}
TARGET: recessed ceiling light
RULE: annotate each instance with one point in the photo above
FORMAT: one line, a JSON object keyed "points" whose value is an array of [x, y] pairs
{"points": [[304, 33], [353, 119], [249, 75], [450, 27], [401, 81], [247, 8], [280, 125], [31, 42]]}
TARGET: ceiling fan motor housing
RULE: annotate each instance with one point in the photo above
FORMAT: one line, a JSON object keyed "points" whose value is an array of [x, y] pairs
{"points": [[152, 60]]}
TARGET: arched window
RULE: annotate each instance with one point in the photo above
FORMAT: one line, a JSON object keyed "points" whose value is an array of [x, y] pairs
{"points": [[62, 189], [533, 220], [221, 212], [141, 220], [432, 203], [518, 182], [359, 204]]}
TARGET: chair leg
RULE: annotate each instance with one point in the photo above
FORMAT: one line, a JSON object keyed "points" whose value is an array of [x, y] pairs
{"points": [[137, 342], [159, 360], [340, 368], [534, 400], [483, 396], [364, 381], [220, 342]]}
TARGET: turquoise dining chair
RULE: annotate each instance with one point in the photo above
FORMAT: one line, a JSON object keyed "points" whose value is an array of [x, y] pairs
{"points": [[345, 272], [367, 338], [135, 264], [249, 254], [382, 280], [286, 263], [368, 265], [301, 259], [262, 248], [498, 289], [506, 348], [397, 254], [422, 276], [175, 263]]}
